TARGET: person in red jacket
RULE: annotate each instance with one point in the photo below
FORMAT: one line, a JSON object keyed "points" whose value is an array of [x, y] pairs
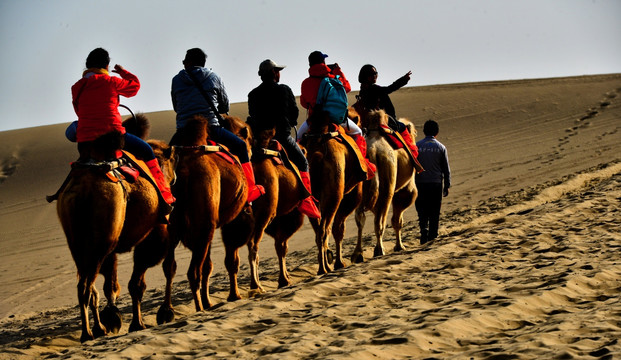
{"points": [[308, 99], [96, 101]]}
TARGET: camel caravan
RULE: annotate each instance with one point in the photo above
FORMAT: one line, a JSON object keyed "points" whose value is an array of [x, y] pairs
{"points": [[112, 203]]}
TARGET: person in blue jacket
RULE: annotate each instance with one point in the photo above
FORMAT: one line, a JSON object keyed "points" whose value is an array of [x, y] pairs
{"points": [[433, 157], [188, 100]]}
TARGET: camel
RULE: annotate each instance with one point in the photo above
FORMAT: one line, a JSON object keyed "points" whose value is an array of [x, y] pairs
{"points": [[336, 175], [275, 213], [393, 182], [103, 215], [211, 193]]}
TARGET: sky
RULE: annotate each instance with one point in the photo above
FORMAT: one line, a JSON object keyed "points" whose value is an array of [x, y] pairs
{"points": [[44, 44]]}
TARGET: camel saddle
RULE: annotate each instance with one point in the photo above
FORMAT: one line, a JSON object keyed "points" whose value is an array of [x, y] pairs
{"points": [[125, 167], [340, 134], [279, 156], [397, 142], [212, 147]]}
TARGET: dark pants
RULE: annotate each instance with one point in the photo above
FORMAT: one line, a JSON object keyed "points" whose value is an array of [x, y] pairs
{"points": [[236, 145], [133, 143], [294, 152], [138, 147], [222, 136], [428, 204]]}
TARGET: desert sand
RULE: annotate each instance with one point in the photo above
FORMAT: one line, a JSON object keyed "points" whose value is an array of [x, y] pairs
{"points": [[527, 264]]}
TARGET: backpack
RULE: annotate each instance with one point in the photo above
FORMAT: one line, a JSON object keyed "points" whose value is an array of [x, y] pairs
{"points": [[332, 98]]}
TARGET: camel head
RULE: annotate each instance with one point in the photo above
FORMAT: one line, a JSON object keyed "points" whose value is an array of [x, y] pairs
{"points": [[138, 126], [263, 137], [375, 119], [239, 128], [353, 114], [194, 133], [319, 123]]}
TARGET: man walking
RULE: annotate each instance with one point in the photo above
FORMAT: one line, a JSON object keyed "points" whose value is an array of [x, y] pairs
{"points": [[433, 157]]}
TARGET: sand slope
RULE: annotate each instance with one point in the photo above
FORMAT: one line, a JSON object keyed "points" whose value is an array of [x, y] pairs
{"points": [[527, 265]]}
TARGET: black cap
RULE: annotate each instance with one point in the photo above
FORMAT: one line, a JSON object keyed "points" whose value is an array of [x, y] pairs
{"points": [[316, 57]]}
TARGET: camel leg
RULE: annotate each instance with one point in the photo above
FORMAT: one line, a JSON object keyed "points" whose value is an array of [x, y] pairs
{"points": [[166, 313], [281, 245], [286, 226], [381, 213], [236, 234], [403, 199], [87, 296], [111, 315], [231, 262], [98, 327], [197, 263], [321, 235], [137, 287], [350, 202], [253, 259], [146, 254], [356, 256], [206, 275], [338, 232]]}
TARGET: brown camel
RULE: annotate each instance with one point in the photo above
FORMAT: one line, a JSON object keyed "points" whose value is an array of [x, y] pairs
{"points": [[102, 216], [275, 213], [211, 193], [393, 182], [336, 177]]}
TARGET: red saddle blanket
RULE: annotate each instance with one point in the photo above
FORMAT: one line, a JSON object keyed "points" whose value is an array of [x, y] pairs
{"points": [[226, 155], [393, 140]]}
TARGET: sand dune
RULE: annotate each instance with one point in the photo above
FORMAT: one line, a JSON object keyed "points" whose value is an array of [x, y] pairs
{"points": [[527, 264]]}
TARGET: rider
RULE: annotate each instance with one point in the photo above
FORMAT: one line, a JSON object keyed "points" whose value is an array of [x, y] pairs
{"points": [[308, 99], [272, 105], [375, 97], [188, 100], [96, 102]]}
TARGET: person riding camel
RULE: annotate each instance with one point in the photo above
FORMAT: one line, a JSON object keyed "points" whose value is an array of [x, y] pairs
{"points": [[308, 99], [96, 101], [375, 97], [196, 90], [272, 105]]}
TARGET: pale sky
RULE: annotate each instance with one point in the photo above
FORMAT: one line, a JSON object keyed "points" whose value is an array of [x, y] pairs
{"points": [[45, 43]]}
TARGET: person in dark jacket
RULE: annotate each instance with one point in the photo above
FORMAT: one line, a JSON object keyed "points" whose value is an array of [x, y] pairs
{"points": [[188, 100], [434, 158], [272, 105], [375, 97]]}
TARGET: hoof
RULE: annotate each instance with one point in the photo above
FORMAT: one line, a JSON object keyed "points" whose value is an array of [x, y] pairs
{"points": [[111, 318], [98, 332], [399, 248], [283, 283], [378, 251], [339, 265], [136, 326], [165, 315], [233, 297], [86, 337], [357, 258]]}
